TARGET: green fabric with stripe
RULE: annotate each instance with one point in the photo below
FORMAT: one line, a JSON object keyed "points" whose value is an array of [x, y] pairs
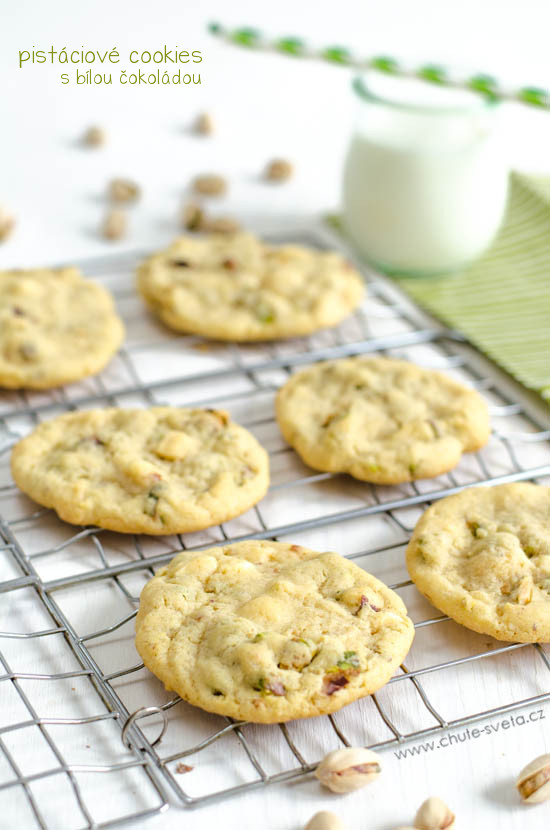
{"points": [[502, 302]]}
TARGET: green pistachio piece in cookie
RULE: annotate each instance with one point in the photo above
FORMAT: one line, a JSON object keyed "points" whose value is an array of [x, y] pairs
{"points": [[474, 528], [152, 500], [349, 661], [269, 687], [264, 313], [28, 351], [151, 504]]}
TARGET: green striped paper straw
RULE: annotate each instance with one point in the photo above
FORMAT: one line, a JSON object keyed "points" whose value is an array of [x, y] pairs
{"points": [[341, 56]]}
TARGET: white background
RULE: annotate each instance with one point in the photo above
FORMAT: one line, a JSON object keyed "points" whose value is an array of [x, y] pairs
{"points": [[264, 106]]}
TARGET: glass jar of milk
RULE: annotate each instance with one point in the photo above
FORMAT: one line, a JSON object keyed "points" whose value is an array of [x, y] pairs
{"points": [[425, 179]]}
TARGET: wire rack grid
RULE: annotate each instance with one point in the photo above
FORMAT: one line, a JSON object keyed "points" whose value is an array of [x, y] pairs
{"points": [[82, 715]]}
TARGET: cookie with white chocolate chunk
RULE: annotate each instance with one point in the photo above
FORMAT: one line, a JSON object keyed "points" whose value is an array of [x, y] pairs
{"points": [[232, 286], [55, 327], [157, 471], [380, 419], [483, 557], [267, 632]]}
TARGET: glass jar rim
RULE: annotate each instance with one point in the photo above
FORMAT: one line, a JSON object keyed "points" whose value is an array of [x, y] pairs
{"points": [[364, 92]]}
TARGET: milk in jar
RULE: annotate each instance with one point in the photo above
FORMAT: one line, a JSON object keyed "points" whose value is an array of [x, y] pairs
{"points": [[425, 178]]}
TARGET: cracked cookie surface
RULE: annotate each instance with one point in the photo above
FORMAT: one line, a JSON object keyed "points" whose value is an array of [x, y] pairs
{"points": [[379, 419], [267, 632], [235, 287], [157, 471], [483, 557], [55, 327]]}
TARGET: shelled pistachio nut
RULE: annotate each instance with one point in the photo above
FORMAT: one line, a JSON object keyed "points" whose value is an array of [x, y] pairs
{"points": [[115, 224], [279, 170], [94, 137], [533, 782], [210, 185], [345, 770], [204, 124], [124, 190], [433, 814], [325, 820], [7, 224]]}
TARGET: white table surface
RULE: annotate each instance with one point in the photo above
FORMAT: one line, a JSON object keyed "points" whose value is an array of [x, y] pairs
{"points": [[264, 107]]}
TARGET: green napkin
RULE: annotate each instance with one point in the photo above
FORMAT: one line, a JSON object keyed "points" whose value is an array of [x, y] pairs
{"points": [[501, 303]]}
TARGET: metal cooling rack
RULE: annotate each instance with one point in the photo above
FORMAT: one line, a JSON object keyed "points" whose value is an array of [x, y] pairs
{"points": [[83, 716]]}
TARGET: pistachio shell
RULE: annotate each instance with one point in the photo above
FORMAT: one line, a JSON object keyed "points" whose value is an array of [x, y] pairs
{"points": [[533, 782], [325, 820], [433, 814], [345, 770]]}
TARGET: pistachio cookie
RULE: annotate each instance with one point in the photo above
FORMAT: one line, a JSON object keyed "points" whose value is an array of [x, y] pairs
{"points": [[235, 287], [55, 327], [157, 471], [267, 632], [379, 419], [483, 558]]}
